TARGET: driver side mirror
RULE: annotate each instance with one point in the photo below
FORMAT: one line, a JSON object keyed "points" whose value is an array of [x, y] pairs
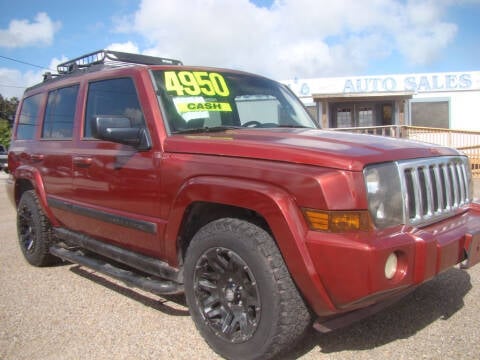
{"points": [[118, 129]]}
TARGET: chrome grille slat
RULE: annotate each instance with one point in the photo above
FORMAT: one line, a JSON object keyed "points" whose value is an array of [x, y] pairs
{"points": [[439, 187], [417, 192], [448, 187], [434, 188], [429, 190], [452, 168], [461, 177]]}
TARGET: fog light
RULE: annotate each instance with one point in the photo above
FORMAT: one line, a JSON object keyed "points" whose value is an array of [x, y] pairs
{"points": [[391, 266]]}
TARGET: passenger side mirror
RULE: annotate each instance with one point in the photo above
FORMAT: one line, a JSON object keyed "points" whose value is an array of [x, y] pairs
{"points": [[118, 129]]}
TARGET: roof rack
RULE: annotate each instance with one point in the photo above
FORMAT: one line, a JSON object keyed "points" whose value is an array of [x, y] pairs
{"points": [[109, 57]]}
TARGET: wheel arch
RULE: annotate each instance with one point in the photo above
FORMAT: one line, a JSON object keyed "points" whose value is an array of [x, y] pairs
{"points": [[29, 178], [266, 205], [200, 213]]}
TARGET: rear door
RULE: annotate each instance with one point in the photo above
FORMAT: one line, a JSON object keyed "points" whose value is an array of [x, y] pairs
{"points": [[43, 141], [53, 154]]}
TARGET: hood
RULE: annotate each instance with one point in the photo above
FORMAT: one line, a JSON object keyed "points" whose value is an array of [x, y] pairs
{"points": [[333, 149]]}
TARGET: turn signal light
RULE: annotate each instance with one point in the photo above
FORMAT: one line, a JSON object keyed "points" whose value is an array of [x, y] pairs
{"points": [[338, 221]]}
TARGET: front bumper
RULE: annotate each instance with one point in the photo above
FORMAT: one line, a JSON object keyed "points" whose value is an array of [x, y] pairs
{"points": [[351, 267]]}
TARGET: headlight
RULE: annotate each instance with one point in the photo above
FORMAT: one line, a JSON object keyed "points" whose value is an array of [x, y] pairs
{"points": [[385, 201]]}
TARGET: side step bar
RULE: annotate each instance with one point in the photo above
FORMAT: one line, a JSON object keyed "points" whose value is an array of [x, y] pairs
{"points": [[135, 260], [160, 287]]}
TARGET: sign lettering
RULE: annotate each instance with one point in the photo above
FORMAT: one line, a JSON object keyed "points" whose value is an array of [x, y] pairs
{"points": [[203, 106], [422, 83], [195, 83]]}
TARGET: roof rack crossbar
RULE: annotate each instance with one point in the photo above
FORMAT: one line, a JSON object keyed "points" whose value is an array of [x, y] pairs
{"points": [[110, 56]]}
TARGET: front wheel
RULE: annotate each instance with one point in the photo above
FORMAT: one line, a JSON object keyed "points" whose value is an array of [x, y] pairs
{"points": [[240, 294]]}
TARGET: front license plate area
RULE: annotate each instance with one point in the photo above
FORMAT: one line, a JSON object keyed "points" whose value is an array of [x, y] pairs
{"points": [[472, 247]]}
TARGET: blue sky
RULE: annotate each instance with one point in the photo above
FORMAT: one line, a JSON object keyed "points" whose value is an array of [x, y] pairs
{"points": [[282, 39]]}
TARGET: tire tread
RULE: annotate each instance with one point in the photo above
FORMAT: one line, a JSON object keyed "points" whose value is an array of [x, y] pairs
{"points": [[295, 316], [41, 257]]}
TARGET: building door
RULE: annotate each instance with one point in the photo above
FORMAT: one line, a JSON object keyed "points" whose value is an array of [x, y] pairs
{"points": [[353, 115], [364, 115], [361, 114]]}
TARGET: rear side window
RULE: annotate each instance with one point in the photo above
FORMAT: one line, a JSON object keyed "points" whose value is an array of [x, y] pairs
{"points": [[115, 98], [28, 119], [60, 113]]}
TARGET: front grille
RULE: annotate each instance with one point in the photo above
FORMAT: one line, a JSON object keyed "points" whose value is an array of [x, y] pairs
{"points": [[434, 188]]}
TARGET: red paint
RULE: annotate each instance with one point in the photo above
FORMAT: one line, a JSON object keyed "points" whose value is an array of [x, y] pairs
{"points": [[274, 172]]}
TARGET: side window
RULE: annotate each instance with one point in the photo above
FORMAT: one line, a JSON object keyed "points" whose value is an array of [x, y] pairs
{"points": [[28, 119], [60, 113], [115, 98]]}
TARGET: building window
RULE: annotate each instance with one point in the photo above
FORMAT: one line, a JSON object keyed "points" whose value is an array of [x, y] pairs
{"points": [[60, 113], [344, 117], [361, 114], [435, 113], [365, 116]]}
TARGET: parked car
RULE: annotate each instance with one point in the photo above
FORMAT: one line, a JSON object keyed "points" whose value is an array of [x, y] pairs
{"points": [[3, 158], [218, 184]]}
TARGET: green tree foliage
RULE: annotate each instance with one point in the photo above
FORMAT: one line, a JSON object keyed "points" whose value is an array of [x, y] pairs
{"points": [[5, 133], [8, 107]]}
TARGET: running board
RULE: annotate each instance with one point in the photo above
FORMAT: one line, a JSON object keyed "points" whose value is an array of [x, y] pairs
{"points": [[130, 278], [133, 259]]}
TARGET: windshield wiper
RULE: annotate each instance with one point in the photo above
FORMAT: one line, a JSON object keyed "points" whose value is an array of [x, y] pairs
{"points": [[296, 126], [206, 129]]}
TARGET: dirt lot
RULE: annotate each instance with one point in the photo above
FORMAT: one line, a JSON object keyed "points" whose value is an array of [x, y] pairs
{"points": [[69, 312]]}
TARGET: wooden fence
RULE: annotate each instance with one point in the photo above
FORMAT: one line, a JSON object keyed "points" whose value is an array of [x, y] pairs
{"points": [[467, 142]]}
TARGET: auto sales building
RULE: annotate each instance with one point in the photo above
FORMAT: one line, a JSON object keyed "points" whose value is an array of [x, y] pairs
{"points": [[439, 100]]}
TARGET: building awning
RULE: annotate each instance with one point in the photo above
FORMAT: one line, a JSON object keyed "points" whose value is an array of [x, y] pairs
{"points": [[371, 96]]}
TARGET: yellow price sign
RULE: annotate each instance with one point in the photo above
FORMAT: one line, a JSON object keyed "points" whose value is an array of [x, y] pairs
{"points": [[194, 83], [204, 106]]}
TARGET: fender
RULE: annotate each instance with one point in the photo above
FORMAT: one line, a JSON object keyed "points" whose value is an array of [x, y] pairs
{"points": [[276, 206], [30, 173]]}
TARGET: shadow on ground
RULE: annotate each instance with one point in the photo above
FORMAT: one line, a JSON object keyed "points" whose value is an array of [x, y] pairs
{"points": [[426, 305], [404, 319], [163, 304]]}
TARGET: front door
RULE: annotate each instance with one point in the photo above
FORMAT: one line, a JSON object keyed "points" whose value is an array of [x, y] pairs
{"points": [[116, 187]]}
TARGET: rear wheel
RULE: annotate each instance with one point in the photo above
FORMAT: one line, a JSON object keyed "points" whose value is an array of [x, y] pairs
{"points": [[240, 294], [34, 231]]}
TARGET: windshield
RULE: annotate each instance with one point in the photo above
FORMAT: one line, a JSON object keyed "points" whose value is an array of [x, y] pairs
{"points": [[209, 100]]}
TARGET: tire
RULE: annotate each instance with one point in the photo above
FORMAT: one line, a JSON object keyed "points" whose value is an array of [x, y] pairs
{"points": [[240, 293], [34, 231]]}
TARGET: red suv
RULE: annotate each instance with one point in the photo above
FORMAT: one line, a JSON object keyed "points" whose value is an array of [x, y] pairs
{"points": [[217, 183]]}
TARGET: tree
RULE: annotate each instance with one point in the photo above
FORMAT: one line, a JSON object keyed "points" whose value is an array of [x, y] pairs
{"points": [[5, 133], [8, 107]]}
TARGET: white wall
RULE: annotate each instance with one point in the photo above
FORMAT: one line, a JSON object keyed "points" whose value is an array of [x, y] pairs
{"points": [[462, 89]]}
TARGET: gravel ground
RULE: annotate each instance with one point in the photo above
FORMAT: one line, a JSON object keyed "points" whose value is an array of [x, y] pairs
{"points": [[70, 312]]}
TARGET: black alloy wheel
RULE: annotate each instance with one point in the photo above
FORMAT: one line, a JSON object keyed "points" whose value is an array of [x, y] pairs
{"points": [[34, 231], [26, 230], [227, 294], [239, 291]]}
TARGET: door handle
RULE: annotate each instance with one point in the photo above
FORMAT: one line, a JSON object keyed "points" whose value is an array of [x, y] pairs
{"points": [[82, 161], [37, 157]]}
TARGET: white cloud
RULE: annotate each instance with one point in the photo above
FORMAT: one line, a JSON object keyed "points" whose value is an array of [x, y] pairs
{"points": [[293, 37], [21, 33], [423, 35], [125, 47], [13, 82]]}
